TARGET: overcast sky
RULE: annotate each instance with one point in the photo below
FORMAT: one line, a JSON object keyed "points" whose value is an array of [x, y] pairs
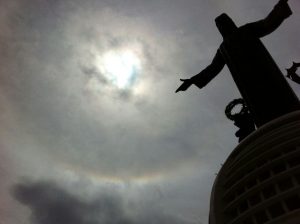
{"points": [[91, 129]]}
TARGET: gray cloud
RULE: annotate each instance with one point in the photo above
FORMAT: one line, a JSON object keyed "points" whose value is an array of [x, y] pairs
{"points": [[54, 127], [51, 204], [98, 128]]}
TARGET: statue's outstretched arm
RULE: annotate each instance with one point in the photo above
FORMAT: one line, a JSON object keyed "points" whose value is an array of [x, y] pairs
{"points": [[263, 27], [206, 75], [211, 71]]}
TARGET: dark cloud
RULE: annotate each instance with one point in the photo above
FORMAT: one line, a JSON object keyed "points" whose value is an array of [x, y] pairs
{"points": [[51, 204]]}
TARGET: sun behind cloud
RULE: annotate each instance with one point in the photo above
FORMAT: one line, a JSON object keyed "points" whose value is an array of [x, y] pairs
{"points": [[119, 67]]}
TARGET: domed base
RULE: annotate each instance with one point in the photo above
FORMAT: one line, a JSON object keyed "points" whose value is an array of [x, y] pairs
{"points": [[260, 181]]}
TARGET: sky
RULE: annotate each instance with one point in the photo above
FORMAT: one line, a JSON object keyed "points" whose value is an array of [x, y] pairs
{"points": [[92, 131]]}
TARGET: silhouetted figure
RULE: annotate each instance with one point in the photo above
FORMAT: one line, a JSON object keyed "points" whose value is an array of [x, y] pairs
{"points": [[259, 80], [243, 120], [291, 72]]}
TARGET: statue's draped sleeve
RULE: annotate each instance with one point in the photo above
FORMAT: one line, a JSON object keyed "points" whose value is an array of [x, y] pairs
{"points": [[263, 27], [211, 71]]}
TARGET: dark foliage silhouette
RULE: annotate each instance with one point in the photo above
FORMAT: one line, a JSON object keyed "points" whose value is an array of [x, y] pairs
{"points": [[243, 119], [291, 72]]}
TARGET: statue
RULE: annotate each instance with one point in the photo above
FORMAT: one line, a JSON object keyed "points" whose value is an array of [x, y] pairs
{"points": [[258, 78]]}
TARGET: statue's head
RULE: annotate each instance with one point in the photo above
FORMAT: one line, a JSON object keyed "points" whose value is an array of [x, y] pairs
{"points": [[225, 25]]}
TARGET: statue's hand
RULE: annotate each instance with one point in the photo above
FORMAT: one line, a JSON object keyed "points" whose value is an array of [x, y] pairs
{"points": [[185, 85]]}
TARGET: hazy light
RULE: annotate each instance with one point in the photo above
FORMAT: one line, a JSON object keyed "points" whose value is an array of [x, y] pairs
{"points": [[119, 67], [74, 173]]}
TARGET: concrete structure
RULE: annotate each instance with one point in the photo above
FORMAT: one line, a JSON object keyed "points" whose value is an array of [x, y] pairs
{"points": [[260, 181]]}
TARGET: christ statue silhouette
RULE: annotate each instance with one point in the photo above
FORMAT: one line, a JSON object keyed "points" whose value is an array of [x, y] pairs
{"points": [[258, 78]]}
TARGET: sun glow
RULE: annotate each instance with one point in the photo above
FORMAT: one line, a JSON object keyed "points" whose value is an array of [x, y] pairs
{"points": [[120, 68]]}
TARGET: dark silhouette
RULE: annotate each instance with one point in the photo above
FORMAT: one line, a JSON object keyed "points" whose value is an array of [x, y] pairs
{"points": [[258, 78], [242, 120], [291, 72]]}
